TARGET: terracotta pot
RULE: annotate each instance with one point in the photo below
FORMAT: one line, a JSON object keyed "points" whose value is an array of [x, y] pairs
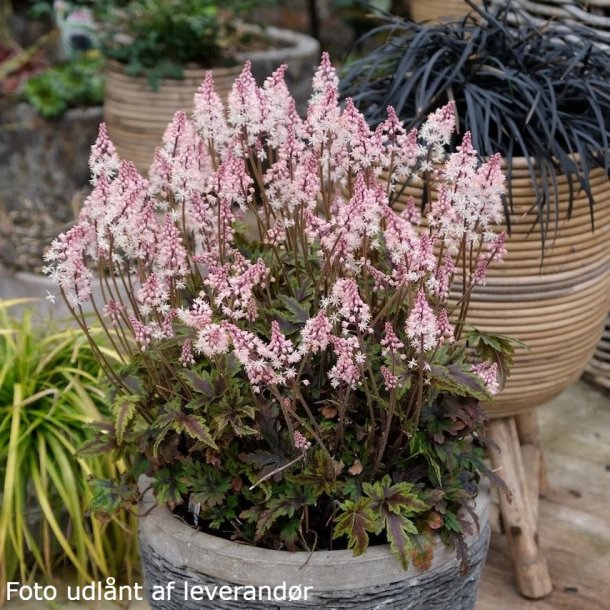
{"points": [[555, 303], [137, 116], [173, 551]]}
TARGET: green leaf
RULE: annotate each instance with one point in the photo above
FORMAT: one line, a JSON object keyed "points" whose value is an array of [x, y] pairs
{"points": [[400, 498], [284, 506], [228, 412], [422, 551], [104, 441], [109, 497], [454, 379], [299, 313], [169, 488], [195, 427], [319, 474], [174, 418], [350, 488], [200, 383], [355, 520], [393, 505], [220, 515], [207, 484], [452, 523], [399, 531], [159, 439], [124, 408], [496, 348], [289, 533], [304, 291], [266, 462]]}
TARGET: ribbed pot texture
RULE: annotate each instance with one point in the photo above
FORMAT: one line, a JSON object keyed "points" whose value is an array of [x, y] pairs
{"points": [[437, 10], [173, 551], [598, 369], [137, 116], [556, 303]]}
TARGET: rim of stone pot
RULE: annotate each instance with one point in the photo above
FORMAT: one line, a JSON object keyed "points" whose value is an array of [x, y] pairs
{"points": [[185, 547], [297, 44]]}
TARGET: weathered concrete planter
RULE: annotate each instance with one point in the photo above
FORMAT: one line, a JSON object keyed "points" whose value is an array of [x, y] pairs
{"points": [[173, 551]]}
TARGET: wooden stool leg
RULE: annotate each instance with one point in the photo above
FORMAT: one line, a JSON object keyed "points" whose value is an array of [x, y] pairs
{"points": [[529, 436], [518, 514]]}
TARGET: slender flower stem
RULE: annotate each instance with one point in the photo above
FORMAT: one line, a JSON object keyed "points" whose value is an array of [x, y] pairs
{"points": [[277, 471]]}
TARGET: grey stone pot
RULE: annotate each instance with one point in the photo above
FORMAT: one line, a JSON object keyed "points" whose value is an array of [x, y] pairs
{"points": [[173, 551]]}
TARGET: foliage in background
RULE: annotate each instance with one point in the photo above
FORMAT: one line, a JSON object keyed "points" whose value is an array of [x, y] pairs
{"points": [[50, 392], [17, 65], [307, 385], [535, 91], [77, 83], [359, 14], [157, 38]]}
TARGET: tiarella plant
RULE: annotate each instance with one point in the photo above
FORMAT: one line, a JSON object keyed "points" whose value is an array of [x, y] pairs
{"points": [[304, 383]]}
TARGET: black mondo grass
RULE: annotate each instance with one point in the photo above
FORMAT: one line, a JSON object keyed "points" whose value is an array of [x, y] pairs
{"points": [[536, 91]]}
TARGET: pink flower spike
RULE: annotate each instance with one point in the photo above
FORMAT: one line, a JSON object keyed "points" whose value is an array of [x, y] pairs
{"points": [[104, 158], [315, 336], [325, 76], [350, 306], [212, 340], [422, 325], [488, 372], [300, 442], [143, 334], [445, 327], [113, 310], [439, 126], [389, 379], [186, 356], [390, 342], [246, 104], [209, 114], [346, 370]]}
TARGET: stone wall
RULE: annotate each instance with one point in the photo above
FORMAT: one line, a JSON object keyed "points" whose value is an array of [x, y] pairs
{"points": [[44, 175]]}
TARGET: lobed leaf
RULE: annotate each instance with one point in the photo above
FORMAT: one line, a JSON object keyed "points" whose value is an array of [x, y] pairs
{"points": [[355, 521]]}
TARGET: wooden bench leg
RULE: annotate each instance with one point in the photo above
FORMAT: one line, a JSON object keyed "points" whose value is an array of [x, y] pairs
{"points": [[519, 513]]}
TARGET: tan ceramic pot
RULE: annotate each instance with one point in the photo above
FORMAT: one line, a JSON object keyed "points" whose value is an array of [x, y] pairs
{"points": [[556, 304]]}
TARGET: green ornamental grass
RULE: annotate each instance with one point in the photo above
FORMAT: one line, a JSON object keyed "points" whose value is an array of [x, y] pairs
{"points": [[50, 393]]}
